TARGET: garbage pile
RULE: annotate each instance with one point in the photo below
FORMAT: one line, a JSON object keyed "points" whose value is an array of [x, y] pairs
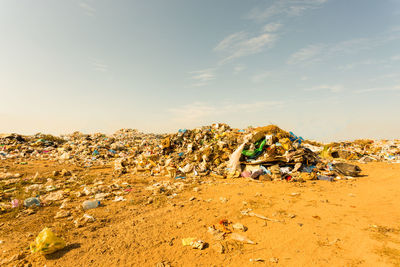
{"points": [[78, 148], [364, 151], [264, 153]]}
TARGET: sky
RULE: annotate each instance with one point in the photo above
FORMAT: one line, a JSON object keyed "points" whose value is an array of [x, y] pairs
{"points": [[325, 69]]}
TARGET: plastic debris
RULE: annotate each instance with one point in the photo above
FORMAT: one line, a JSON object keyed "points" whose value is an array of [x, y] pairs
{"points": [[90, 204], [32, 201], [47, 242], [241, 238]]}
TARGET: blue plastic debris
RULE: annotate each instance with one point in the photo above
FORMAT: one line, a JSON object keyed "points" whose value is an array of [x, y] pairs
{"points": [[265, 170], [308, 169], [294, 138]]}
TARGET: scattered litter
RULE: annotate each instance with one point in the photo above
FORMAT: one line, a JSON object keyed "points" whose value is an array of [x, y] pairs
{"points": [[248, 212], [257, 260], [241, 238], [90, 204], [32, 201]]}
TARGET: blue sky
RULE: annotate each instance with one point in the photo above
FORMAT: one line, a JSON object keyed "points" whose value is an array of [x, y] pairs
{"points": [[327, 69]]}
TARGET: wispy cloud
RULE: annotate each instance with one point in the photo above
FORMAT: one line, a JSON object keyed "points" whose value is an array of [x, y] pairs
{"points": [[394, 76], [395, 57], [238, 68], [272, 27], [230, 40], [379, 89], [195, 113], [202, 77], [99, 66], [360, 63], [241, 44], [318, 52], [87, 8], [307, 54], [258, 78], [284, 8], [332, 88]]}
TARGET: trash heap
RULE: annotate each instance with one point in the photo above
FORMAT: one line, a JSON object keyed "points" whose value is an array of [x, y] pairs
{"points": [[78, 148], [264, 153], [364, 151]]}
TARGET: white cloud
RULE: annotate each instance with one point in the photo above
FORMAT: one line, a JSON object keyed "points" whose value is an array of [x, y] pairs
{"points": [[361, 63], [304, 78], [379, 89], [258, 78], [272, 27], [307, 54], [238, 69], [332, 88], [99, 66], [240, 44], [284, 8], [198, 112], [202, 77], [318, 52], [230, 41], [87, 8], [395, 58]]}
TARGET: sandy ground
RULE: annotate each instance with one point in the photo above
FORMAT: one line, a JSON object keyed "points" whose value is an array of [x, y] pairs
{"points": [[344, 223]]}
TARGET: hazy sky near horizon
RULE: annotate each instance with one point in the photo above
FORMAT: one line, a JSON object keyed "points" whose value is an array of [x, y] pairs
{"points": [[326, 69]]}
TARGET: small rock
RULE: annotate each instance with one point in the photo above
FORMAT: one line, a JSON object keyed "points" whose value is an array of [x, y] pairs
{"points": [[223, 199], [65, 173], [192, 198], [199, 244], [274, 260], [163, 264], [219, 248], [196, 189]]}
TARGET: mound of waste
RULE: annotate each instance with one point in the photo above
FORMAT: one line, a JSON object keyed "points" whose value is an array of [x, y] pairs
{"points": [[264, 153]]}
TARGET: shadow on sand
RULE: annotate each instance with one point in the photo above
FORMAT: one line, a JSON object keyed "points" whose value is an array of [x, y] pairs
{"points": [[58, 254]]}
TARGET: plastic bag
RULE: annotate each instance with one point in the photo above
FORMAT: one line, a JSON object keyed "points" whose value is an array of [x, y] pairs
{"points": [[47, 242], [234, 158]]}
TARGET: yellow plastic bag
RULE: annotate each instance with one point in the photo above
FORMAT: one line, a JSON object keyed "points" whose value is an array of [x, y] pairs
{"points": [[47, 242]]}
